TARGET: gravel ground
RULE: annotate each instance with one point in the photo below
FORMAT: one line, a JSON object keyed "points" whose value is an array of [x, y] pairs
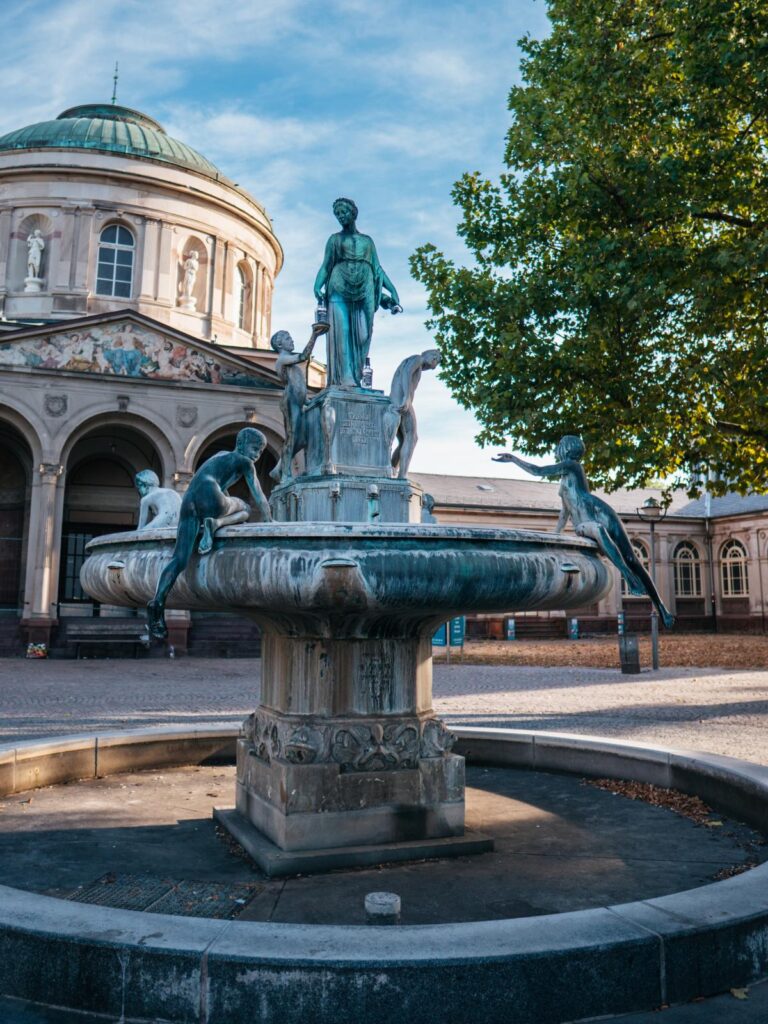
{"points": [[715, 650], [717, 710]]}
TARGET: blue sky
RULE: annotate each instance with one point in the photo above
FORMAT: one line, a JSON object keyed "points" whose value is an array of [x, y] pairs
{"points": [[300, 102]]}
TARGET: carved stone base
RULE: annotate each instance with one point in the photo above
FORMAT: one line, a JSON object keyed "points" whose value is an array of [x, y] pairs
{"points": [[33, 284], [277, 863], [319, 805]]}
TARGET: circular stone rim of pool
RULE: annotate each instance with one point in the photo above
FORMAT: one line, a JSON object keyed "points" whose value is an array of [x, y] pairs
{"points": [[547, 969]]}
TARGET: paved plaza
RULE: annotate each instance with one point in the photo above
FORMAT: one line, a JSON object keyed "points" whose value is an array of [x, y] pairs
{"points": [[716, 710]]}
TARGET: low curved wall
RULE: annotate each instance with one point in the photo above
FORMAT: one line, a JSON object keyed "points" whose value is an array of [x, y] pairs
{"points": [[541, 970]]}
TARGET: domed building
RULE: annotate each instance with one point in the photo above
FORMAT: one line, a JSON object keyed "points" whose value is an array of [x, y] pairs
{"points": [[131, 218], [135, 295]]}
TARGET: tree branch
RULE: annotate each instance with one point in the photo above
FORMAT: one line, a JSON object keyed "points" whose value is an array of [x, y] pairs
{"points": [[725, 218], [737, 428]]}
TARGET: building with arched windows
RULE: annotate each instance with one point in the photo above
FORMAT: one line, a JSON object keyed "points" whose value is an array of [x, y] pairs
{"points": [[711, 553], [135, 305], [131, 218]]}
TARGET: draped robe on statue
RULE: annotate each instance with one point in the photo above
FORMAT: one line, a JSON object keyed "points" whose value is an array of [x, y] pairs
{"points": [[353, 293]]}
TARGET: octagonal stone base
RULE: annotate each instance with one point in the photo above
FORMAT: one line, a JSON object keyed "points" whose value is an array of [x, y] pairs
{"points": [[314, 806]]}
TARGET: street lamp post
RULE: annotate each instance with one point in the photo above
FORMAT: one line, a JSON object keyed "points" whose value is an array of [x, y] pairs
{"points": [[652, 511]]}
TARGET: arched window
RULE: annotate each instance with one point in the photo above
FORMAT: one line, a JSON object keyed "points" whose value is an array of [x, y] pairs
{"points": [[242, 293], [687, 566], [733, 569], [114, 274], [641, 553]]}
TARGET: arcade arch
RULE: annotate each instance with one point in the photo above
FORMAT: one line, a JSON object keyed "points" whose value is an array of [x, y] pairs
{"points": [[100, 495], [16, 467]]}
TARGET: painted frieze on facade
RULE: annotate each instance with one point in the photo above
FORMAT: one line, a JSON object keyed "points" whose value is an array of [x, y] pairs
{"points": [[124, 349]]}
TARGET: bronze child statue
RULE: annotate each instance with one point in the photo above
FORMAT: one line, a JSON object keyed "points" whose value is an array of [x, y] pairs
{"points": [[208, 505], [593, 518], [404, 383], [160, 506], [292, 370]]}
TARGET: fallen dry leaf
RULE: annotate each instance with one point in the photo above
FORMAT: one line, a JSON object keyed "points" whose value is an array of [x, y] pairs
{"points": [[692, 650], [691, 807], [733, 870]]}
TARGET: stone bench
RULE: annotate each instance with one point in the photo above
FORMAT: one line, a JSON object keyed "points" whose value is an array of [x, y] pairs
{"points": [[102, 632]]}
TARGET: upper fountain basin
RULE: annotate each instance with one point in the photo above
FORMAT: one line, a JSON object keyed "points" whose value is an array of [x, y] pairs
{"points": [[335, 579]]}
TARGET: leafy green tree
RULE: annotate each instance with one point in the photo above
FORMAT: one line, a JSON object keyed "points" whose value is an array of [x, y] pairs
{"points": [[618, 286]]}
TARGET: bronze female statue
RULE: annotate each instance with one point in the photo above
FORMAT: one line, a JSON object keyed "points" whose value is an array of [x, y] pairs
{"points": [[593, 518], [350, 281]]}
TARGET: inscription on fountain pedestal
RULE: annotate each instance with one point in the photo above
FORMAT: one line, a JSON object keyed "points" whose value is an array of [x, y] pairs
{"points": [[356, 443]]}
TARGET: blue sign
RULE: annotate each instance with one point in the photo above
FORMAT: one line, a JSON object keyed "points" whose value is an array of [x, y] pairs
{"points": [[620, 623], [440, 638], [453, 631], [511, 630], [573, 629], [457, 630]]}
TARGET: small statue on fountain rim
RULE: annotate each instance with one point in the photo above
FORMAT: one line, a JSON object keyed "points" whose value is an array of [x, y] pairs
{"points": [[404, 383], [292, 371], [593, 518], [160, 506], [208, 504]]}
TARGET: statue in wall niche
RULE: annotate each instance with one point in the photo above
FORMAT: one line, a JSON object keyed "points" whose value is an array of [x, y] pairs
{"points": [[208, 505], [350, 284], [190, 267], [35, 247], [593, 518], [160, 506], [404, 384], [291, 368]]}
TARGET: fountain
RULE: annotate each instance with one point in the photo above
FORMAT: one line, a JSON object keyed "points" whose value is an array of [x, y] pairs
{"points": [[344, 761]]}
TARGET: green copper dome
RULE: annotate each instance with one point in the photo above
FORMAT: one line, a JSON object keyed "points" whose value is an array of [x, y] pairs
{"points": [[109, 129]]}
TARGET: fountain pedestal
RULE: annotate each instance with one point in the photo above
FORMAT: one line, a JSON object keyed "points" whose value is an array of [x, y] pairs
{"points": [[345, 749]]}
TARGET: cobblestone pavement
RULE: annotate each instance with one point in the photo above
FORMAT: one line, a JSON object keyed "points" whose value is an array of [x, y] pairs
{"points": [[717, 710]]}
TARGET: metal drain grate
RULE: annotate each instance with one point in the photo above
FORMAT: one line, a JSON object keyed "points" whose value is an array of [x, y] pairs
{"points": [[205, 899], [125, 892], [167, 896]]}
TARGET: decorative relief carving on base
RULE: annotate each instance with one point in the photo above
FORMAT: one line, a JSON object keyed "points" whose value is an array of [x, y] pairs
{"points": [[355, 745]]}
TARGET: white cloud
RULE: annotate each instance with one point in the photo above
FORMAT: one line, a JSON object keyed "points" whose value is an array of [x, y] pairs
{"points": [[300, 102]]}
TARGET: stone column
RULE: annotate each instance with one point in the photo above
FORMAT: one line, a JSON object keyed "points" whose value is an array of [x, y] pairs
{"points": [[166, 273], [750, 542], [42, 577], [82, 248], [6, 217], [146, 273], [663, 575], [259, 326], [57, 266], [267, 306], [219, 256]]}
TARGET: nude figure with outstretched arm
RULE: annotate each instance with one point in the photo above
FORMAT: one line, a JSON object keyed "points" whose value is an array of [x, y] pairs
{"points": [[208, 504], [593, 518]]}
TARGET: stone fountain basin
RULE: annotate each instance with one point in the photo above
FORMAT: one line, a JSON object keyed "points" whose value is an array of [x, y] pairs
{"points": [[335, 579]]}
